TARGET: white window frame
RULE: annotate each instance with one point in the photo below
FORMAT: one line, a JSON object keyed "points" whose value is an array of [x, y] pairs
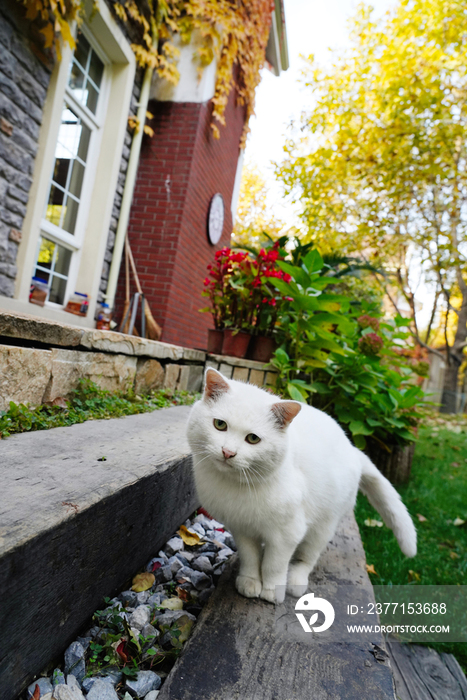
{"points": [[88, 244], [95, 123]]}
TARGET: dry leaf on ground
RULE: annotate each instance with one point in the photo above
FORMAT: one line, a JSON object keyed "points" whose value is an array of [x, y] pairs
{"points": [[458, 522], [413, 576], [371, 569], [454, 555], [142, 582], [373, 523], [172, 604], [189, 537], [421, 518]]}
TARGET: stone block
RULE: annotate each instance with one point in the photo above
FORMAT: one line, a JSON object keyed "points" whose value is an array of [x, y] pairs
{"points": [[172, 375], [191, 378], [30, 328], [240, 374], [149, 376], [211, 363], [271, 379], [256, 377], [24, 375], [226, 370], [111, 372]]}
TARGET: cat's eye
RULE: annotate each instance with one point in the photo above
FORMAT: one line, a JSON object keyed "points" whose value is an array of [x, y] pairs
{"points": [[252, 439], [220, 424]]}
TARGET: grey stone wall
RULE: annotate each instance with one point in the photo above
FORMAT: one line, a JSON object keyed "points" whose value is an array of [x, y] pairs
{"points": [[24, 80]]}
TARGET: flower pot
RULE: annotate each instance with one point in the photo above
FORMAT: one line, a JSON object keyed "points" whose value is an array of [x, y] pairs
{"points": [[263, 348], [235, 343], [215, 340], [394, 465]]}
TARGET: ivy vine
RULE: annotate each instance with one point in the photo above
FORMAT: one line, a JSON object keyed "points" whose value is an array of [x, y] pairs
{"points": [[232, 32]]}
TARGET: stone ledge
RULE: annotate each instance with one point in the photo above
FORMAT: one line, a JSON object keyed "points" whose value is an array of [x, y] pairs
{"points": [[75, 529]]}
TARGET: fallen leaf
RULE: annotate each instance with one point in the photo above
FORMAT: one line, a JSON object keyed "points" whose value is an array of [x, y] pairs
{"points": [[373, 523], [156, 565], [454, 447], [455, 464], [142, 582], [413, 576], [183, 594], [172, 604], [184, 624], [454, 555], [458, 522], [190, 538], [37, 693], [371, 569], [121, 652], [421, 518]]}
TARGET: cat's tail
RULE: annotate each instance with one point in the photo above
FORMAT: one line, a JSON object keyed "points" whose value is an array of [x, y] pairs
{"points": [[385, 499]]}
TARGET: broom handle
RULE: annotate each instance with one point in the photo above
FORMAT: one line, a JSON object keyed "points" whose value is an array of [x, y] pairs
{"points": [[133, 267], [127, 272]]}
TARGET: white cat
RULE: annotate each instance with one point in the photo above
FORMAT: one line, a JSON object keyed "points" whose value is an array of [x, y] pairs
{"points": [[281, 474]]}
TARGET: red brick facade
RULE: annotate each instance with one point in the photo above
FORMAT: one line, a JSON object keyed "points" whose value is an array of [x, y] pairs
{"points": [[181, 167]]}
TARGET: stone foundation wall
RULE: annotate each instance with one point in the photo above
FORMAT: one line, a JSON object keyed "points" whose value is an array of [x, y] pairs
{"points": [[42, 360]]}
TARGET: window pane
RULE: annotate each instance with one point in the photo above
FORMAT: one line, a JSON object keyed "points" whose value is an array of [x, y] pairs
{"points": [[57, 290], [82, 50], [71, 212], [76, 179], [92, 97], [62, 260], [96, 68], [77, 80]]}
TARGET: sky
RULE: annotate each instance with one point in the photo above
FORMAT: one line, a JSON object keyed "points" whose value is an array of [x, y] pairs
{"points": [[313, 26]]}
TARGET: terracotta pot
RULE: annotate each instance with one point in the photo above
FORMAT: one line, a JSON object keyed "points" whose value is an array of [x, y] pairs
{"points": [[263, 348], [215, 340], [395, 465], [235, 345]]}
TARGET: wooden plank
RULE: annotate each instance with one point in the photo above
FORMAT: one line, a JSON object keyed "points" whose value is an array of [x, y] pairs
{"points": [[420, 673], [238, 652], [74, 529]]}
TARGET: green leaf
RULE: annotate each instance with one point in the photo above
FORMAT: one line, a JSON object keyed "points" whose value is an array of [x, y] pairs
{"points": [[359, 441], [295, 393], [359, 428], [313, 261]]}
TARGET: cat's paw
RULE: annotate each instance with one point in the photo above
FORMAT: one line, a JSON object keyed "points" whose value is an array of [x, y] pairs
{"points": [[273, 595], [247, 586], [297, 590], [297, 582]]}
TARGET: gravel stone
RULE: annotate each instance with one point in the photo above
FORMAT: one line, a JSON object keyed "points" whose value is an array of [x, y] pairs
{"points": [[150, 631], [72, 681], [175, 564], [144, 683], [203, 564], [102, 690], [208, 547], [44, 684], [203, 521], [229, 541], [169, 616], [155, 599], [163, 574], [140, 617], [84, 641], [163, 555], [152, 695], [174, 545], [74, 660], [58, 677], [142, 598], [197, 527], [89, 682], [66, 692], [129, 597], [224, 554]]}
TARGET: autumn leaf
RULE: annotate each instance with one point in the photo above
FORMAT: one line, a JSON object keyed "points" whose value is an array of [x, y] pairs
{"points": [[454, 447], [147, 130], [183, 594], [142, 582], [121, 651], [454, 555], [156, 565], [413, 576], [48, 32], [421, 518], [455, 464], [172, 604], [371, 569], [190, 538], [373, 523], [458, 522]]}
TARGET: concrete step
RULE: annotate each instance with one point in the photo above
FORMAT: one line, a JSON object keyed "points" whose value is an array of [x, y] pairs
{"points": [[244, 649], [75, 527]]}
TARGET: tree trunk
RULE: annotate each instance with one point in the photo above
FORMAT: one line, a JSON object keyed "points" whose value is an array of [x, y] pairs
{"points": [[455, 355]]}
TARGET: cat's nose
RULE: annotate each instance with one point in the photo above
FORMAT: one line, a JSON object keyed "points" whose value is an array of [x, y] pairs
{"points": [[227, 453]]}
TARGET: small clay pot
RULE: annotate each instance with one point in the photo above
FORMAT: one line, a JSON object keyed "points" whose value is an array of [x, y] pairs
{"points": [[215, 340], [235, 343], [263, 348]]}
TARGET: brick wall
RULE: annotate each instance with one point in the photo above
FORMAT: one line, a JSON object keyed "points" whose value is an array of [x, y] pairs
{"points": [[24, 79], [180, 169]]}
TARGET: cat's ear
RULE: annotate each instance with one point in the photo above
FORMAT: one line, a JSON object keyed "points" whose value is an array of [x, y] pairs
{"points": [[214, 385], [284, 412]]}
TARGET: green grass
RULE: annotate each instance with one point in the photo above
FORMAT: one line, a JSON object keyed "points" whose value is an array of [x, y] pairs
{"points": [[87, 402], [438, 491]]}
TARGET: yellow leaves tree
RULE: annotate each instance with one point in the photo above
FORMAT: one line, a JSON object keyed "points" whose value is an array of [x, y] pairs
{"points": [[381, 168], [254, 215]]}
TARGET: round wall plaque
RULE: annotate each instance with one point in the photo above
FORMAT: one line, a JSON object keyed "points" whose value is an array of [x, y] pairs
{"points": [[215, 218]]}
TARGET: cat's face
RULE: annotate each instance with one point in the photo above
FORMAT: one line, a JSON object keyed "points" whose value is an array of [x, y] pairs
{"points": [[238, 428]]}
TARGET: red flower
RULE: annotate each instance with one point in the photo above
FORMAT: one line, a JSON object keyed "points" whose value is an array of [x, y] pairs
{"points": [[287, 278], [272, 302], [288, 298]]}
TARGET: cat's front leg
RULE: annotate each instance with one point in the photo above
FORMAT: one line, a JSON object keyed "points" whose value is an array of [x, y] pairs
{"points": [[248, 581], [275, 563]]}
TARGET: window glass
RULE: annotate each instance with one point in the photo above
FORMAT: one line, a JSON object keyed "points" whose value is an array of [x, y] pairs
{"points": [[86, 74], [53, 264]]}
